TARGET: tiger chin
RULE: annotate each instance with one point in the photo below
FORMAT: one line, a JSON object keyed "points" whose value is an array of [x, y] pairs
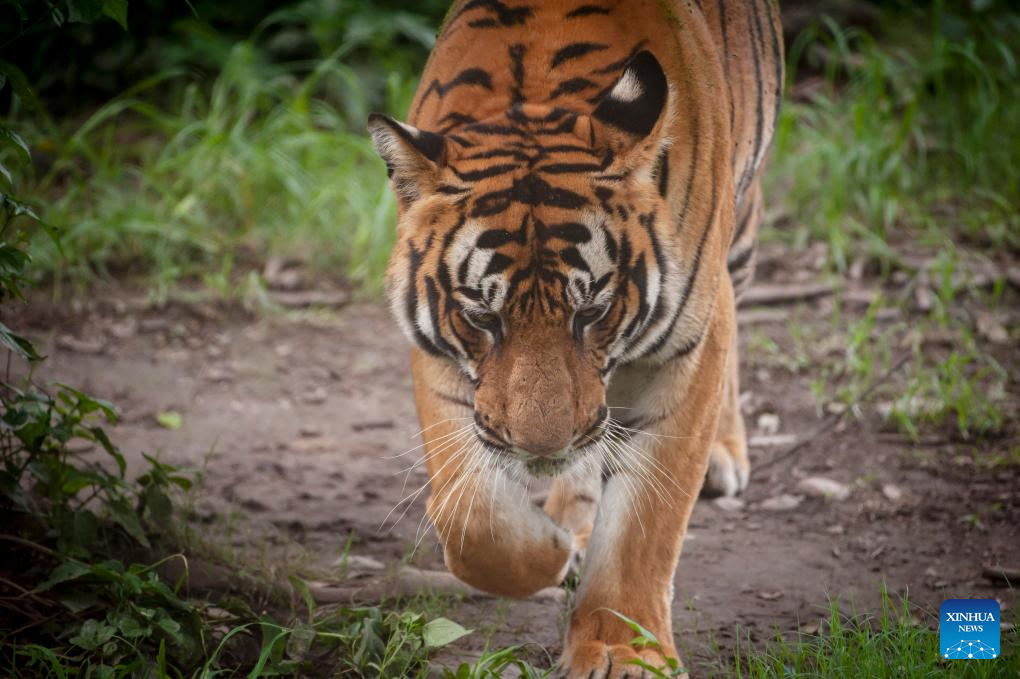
{"points": [[579, 194]]}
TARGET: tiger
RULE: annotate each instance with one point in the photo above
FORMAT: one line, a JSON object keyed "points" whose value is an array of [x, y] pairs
{"points": [[578, 188]]}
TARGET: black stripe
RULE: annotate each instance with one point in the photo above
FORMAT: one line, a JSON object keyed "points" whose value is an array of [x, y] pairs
{"points": [[662, 171], [476, 175], [517, 71], [689, 285], [726, 56], [487, 129], [432, 295], [737, 262], [686, 349], [450, 190], [411, 303], [572, 232], [619, 64], [470, 76], [742, 225], [571, 86], [575, 51], [498, 153], [504, 15], [498, 264], [528, 190], [568, 168], [756, 48], [452, 120], [648, 221], [493, 238], [571, 257], [586, 10]]}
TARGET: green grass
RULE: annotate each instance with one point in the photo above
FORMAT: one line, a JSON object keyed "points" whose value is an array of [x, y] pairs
{"points": [[892, 643], [219, 181], [913, 138], [899, 156]]}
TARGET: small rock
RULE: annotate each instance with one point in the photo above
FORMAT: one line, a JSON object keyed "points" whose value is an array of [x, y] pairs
{"points": [[819, 486], [125, 329], [310, 431], [991, 329], [811, 628], [80, 346], [729, 504], [781, 503], [355, 562], [835, 530], [768, 423], [315, 396], [770, 596], [283, 350], [892, 493]]}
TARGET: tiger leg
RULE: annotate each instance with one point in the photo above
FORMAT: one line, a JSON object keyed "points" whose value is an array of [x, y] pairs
{"points": [[729, 466], [572, 503], [643, 515], [493, 537]]}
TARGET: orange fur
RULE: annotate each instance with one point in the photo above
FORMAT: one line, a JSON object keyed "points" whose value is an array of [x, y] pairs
{"points": [[579, 197]]}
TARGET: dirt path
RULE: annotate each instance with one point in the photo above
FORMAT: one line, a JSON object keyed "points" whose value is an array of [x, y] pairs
{"points": [[296, 422]]}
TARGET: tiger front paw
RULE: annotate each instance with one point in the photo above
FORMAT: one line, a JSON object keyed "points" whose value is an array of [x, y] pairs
{"points": [[598, 660]]}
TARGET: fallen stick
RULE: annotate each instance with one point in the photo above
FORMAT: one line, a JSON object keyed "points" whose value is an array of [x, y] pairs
{"points": [[752, 316], [771, 440], [1005, 576], [786, 293]]}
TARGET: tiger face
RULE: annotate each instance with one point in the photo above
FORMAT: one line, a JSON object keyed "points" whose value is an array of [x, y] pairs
{"points": [[528, 253]]}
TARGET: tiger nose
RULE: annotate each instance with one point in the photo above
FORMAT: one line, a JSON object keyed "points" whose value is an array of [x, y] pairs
{"points": [[542, 437]]}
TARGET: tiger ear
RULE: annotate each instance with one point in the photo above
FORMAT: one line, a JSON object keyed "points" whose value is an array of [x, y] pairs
{"points": [[631, 118], [413, 157]]}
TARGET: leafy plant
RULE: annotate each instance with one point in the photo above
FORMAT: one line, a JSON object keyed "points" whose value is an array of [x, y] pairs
{"points": [[646, 639]]}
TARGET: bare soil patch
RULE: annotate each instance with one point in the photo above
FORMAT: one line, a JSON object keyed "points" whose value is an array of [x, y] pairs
{"points": [[300, 422]]}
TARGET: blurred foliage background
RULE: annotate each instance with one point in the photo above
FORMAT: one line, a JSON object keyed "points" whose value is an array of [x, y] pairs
{"points": [[185, 141]]}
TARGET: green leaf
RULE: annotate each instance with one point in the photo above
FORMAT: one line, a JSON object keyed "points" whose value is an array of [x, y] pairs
{"points": [[117, 10], [159, 507], [129, 626], [17, 208], [93, 634], [18, 344], [84, 11], [19, 84], [125, 515], [69, 570], [170, 419], [442, 631], [11, 138], [302, 589], [645, 638], [41, 653], [171, 627]]}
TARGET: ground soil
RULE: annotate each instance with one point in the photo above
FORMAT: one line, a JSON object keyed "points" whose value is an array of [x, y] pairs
{"points": [[298, 421]]}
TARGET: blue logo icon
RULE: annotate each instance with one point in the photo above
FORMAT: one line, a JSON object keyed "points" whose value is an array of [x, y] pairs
{"points": [[969, 629]]}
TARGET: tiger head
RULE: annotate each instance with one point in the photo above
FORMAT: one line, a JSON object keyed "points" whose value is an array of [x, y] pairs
{"points": [[528, 253]]}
